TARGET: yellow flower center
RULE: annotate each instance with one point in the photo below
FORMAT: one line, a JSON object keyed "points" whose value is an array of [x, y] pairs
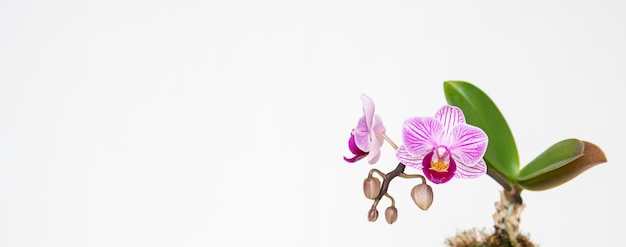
{"points": [[439, 166], [440, 161]]}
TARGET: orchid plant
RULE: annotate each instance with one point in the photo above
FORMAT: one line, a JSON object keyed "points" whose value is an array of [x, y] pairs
{"points": [[465, 139]]}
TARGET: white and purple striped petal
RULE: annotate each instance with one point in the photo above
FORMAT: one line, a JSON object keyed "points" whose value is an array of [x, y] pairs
{"points": [[409, 159], [477, 170], [421, 134], [468, 144], [449, 116]]}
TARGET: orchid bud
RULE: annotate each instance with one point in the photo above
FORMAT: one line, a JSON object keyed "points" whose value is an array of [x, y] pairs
{"points": [[391, 214], [371, 187], [422, 195], [372, 215]]}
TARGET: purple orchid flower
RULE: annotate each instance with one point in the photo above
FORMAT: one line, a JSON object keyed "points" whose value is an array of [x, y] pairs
{"points": [[368, 136], [444, 146]]}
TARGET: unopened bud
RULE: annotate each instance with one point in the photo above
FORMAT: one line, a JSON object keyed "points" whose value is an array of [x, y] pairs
{"points": [[372, 215], [422, 195], [391, 214], [371, 187]]}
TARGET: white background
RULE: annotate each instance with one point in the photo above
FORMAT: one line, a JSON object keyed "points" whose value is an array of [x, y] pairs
{"points": [[224, 123]]}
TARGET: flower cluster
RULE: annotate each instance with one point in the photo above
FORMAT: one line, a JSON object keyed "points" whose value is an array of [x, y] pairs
{"points": [[367, 137], [441, 147]]}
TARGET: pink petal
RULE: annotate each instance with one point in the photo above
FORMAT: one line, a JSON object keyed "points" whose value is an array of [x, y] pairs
{"points": [[368, 109], [373, 157], [374, 153], [378, 126], [449, 116], [362, 135], [477, 170], [468, 144], [421, 134], [408, 159]]}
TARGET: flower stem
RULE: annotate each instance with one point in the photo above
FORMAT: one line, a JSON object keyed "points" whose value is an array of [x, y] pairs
{"points": [[393, 202], [393, 145], [513, 192], [397, 172], [404, 175]]}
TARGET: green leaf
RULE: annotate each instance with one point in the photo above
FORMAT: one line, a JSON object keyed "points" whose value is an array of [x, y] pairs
{"points": [[554, 157], [591, 156], [480, 111]]}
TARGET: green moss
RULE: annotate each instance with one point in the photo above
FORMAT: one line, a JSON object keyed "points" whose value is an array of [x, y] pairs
{"points": [[481, 238]]}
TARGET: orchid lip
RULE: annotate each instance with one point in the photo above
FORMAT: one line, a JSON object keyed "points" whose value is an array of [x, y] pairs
{"points": [[354, 149], [438, 169]]}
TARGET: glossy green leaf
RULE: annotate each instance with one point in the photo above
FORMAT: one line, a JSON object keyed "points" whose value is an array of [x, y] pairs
{"points": [[480, 111], [554, 157], [592, 156]]}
